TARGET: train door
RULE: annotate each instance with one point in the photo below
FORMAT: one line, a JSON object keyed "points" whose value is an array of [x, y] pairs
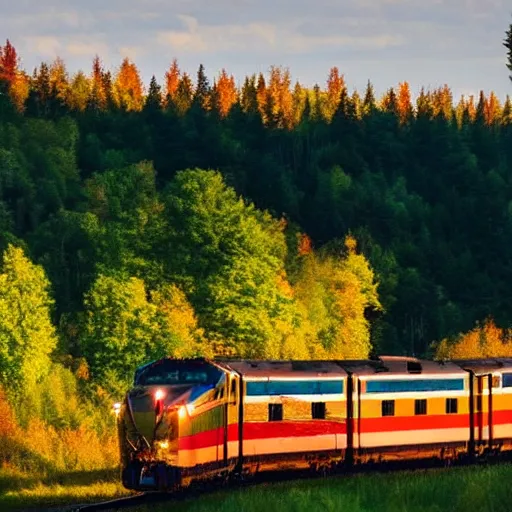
{"points": [[483, 411], [220, 418], [231, 419]]}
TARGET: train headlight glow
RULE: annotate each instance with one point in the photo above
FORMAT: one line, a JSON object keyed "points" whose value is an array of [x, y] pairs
{"points": [[159, 394], [116, 408], [163, 445], [182, 411]]}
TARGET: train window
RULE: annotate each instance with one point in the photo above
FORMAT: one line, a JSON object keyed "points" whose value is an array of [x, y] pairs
{"points": [[451, 406], [318, 410], [420, 406], [496, 381], [233, 390], [388, 407], [275, 412]]}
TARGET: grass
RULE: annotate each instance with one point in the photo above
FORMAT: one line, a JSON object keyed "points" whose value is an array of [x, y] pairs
{"points": [[21, 491], [482, 488]]}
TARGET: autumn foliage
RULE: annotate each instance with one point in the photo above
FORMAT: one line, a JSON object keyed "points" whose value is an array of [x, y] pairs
{"points": [[483, 341]]}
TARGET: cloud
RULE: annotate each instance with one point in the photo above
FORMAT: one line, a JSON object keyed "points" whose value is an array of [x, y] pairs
{"points": [[257, 37], [46, 46], [454, 41], [87, 49]]}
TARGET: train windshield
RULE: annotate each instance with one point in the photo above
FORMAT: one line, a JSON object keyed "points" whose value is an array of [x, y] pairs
{"points": [[170, 372]]}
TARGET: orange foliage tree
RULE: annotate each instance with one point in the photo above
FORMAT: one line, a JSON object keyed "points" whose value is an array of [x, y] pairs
{"points": [[172, 80], [335, 84], [128, 87], [17, 81], [404, 102], [492, 109], [225, 93], [483, 341]]}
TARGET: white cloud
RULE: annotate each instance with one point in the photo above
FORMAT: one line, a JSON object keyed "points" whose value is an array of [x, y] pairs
{"points": [[85, 49], [46, 46], [213, 38], [256, 37]]}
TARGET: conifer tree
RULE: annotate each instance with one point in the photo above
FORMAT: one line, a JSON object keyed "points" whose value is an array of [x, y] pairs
{"points": [[508, 45], [203, 90], [369, 103], [154, 98]]}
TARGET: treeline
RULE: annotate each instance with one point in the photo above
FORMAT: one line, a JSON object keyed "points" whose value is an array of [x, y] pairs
{"points": [[424, 188]]}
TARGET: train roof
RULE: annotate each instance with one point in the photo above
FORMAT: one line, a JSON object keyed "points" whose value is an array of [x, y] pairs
{"points": [[401, 366], [384, 365], [284, 369], [485, 366]]}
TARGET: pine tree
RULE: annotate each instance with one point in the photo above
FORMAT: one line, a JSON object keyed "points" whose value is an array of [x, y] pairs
{"points": [[248, 96], [369, 103], [154, 98], [98, 99], [508, 45], [203, 90]]}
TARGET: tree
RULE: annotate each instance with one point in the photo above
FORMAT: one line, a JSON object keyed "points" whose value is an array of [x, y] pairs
{"points": [[335, 85], [404, 103], [508, 45], [225, 93], [27, 336], [483, 341], [172, 80], [202, 91], [8, 62], [337, 292], [98, 99], [154, 98], [123, 329], [236, 279], [79, 92], [126, 222], [128, 87]]}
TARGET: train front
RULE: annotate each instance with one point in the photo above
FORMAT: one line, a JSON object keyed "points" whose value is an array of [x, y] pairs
{"points": [[152, 414]]}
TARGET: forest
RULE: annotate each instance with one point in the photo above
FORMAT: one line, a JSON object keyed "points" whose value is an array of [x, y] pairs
{"points": [[199, 217]]}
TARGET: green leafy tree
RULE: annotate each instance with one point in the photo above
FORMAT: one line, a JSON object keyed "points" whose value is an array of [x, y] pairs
{"points": [[230, 258], [123, 329], [27, 336]]}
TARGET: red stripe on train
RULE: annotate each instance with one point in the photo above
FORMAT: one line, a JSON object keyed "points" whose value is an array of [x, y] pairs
{"points": [[267, 430], [400, 423], [262, 430]]}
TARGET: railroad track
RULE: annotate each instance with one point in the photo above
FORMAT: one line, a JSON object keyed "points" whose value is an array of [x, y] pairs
{"points": [[126, 502]]}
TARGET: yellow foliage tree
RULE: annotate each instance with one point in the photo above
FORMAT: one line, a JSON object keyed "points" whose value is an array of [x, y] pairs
{"points": [[483, 341], [335, 293], [129, 90]]}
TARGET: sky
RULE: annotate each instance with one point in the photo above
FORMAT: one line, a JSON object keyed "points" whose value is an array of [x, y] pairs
{"points": [[427, 43]]}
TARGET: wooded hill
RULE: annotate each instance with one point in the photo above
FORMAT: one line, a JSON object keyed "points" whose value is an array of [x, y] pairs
{"points": [[340, 190]]}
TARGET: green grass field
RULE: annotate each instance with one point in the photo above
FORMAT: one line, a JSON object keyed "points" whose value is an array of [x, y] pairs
{"points": [[20, 491], [482, 488]]}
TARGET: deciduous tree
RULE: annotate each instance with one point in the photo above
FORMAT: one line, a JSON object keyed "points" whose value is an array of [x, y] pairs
{"points": [[27, 336]]}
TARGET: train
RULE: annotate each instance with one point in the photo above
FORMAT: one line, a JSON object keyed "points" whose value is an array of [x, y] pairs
{"points": [[190, 420]]}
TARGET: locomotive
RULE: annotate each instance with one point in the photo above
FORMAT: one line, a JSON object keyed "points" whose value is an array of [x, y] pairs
{"points": [[186, 420]]}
